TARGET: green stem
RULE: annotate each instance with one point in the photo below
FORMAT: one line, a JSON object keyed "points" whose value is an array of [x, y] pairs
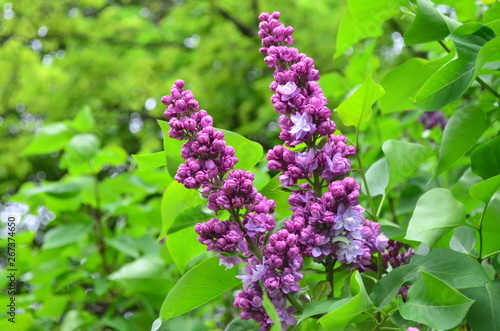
{"points": [[294, 302], [97, 218], [480, 228], [329, 264]]}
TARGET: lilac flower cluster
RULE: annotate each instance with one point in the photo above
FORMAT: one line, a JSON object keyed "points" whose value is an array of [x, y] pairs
{"points": [[206, 154], [270, 264], [394, 256], [330, 224], [431, 119]]}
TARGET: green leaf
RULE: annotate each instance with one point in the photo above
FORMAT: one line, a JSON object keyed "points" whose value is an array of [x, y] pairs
{"points": [[338, 318], [491, 18], [183, 245], [455, 143], [452, 80], [83, 121], [150, 161], [404, 158], [273, 314], [241, 325], [65, 234], [357, 108], [456, 269], [172, 148], [387, 288], [110, 155], [377, 177], [314, 308], [463, 240], [248, 152], [484, 315], [485, 159], [429, 25], [398, 96], [176, 199], [490, 52], [198, 286], [80, 150], [125, 244], [485, 190], [364, 20], [433, 302], [436, 213], [146, 267], [52, 137], [272, 191]]}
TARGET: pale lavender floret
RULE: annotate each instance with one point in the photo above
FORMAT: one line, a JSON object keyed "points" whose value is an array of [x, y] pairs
{"points": [[302, 125], [255, 272], [348, 219], [335, 166], [229, 261], [349, 252], [258, 223], [411, 328], [288, 91]]}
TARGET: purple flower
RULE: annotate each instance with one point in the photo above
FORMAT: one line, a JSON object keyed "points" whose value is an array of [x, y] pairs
{"points": [[229, 261], [302, 125], [349, 252], [288, 91], [255, 273], [348, 219], [335, 166]]}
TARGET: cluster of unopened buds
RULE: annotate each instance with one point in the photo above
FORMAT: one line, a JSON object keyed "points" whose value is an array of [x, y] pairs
{"points": [[327, 223]]}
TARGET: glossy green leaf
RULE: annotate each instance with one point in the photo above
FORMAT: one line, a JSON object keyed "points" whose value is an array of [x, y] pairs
{"points": [[485, 159], [150, 161], [452, 80], [456, 269], [248, 152], [357, 108], [490, 52], [484, 315], [377, 177], [338, 318], [398, 96], [143, 268], [183, 245], [455, 143], [491, 227], [436, 213], [485, 190], [241, 325], [201, 284], [387, 288], [364, 20], [273, 191], [176, 199], [433, 302], [172, 148], [429, 25], [65, 234], [83, 121], [463, 240], [273, 314], [314, 308], [491, 17], [52, 137], [404, 158]]}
